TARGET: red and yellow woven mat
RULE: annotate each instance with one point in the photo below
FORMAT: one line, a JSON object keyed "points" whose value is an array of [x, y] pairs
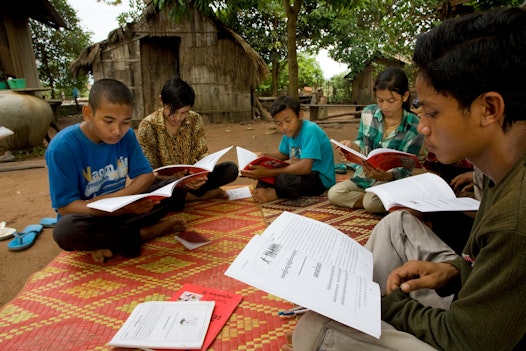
{"points": [[75, 304], [355, 223]]}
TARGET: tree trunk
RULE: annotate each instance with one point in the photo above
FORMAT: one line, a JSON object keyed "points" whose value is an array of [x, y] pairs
{"points": [[275, 73], [292, 22]]}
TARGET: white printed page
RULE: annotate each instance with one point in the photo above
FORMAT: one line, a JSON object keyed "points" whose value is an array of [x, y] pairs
{"points": [[322, 242], [209, 162], [318, 286], [438, 205], [419, 187], [239, 193], [166, 325], [244, 157], [111, 204]]}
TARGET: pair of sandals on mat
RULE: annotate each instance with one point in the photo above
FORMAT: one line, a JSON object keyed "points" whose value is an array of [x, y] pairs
{"points": [[26, 238], [341, 168]]}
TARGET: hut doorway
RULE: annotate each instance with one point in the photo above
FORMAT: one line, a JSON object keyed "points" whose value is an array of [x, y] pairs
{"points": [[159, 62]]}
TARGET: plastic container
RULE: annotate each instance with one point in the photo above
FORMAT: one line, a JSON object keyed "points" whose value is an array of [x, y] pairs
{"points": [[3, 85], [17, 83]]}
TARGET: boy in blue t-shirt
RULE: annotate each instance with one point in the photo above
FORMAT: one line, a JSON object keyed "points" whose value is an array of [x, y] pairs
{"points": [[93, 160], [309, 151]]}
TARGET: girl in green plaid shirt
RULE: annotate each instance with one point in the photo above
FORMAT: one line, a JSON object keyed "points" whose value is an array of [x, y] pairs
{"points": [[387, 124]]}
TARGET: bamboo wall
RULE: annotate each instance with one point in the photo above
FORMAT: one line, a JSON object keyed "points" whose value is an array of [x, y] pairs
{"points": [[215, 67]]}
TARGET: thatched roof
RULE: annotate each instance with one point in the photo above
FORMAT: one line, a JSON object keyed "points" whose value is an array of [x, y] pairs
{"points": [[40, 10], [252, 66]]}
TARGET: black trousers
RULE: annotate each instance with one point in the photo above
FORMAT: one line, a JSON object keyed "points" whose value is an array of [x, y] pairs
{"points": [[120, 234], [223, 173], [289, 186]]}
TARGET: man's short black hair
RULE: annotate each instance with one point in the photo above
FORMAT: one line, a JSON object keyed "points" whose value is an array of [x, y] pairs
{"points": [[467, 56], [110, 90]]}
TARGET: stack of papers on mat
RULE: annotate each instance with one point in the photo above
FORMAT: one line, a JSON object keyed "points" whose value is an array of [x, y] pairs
{"points": [[166, 325]]}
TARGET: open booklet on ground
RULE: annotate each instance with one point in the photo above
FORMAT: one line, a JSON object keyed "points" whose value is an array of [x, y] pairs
{"points": [[426, 192], [225, 304], [382, 158], [246, 158], [206, 164], [111, 204], [316, 266], [166, 325]]}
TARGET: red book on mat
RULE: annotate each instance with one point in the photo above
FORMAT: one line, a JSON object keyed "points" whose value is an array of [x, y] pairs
{"points": [[192, 239], [225, 304]]}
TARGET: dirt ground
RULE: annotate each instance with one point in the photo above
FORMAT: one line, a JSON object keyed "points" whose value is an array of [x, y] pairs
{"points": [[24, 193]]}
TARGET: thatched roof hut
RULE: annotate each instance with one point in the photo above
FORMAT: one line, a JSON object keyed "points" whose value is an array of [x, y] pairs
{"points": [[17, 57], [221, 67]]}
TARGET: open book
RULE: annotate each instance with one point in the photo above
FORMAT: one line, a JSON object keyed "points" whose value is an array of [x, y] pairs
{"points": [[314, 265], [225, 304], [166, 325], [382, 158], [111, 204], [206, 164], [246, 158], [426, 192]]}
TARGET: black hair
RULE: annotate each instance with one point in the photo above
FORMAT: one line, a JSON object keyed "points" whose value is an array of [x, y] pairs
{"points": [[474, 54], [176, 93], [112, 91], [394, 79], [283, 103]]}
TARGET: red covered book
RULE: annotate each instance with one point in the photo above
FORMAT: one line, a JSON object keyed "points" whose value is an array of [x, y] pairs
{"points": [[225, 304], [382, 158], [246, 158]]}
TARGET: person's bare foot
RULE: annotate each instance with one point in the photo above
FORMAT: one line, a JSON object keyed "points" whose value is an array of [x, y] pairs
{"points": [[101, 255], [210, 194], [264, 194], [288, 345], [164, 226]]}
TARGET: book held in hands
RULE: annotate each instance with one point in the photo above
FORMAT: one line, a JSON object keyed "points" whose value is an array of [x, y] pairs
{"points": [[314, 265], [426, 192], [246, 158], [112, 204], [206, 164], [382, 158], [166, 325]]}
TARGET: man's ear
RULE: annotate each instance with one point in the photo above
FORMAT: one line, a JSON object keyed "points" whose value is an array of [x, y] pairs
{"points": [[300, 116], [87, 112], [492, 107]]}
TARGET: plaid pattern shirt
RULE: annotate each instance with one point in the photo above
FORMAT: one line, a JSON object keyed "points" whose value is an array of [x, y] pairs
{"points": [[371, 136], [161, 148]]}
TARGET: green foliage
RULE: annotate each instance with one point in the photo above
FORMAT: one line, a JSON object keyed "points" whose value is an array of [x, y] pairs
{"points": [[310, 74], [133, 14], [55, 50], [380, 28], [339, 89]]}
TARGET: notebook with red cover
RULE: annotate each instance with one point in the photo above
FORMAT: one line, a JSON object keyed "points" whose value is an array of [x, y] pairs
{"points": [[225, 304]]}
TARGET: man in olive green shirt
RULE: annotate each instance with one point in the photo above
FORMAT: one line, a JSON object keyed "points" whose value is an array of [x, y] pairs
{"points": [[471, 85]]}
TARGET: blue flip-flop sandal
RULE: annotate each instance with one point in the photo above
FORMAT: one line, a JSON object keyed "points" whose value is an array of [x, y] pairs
{"points": [[48, 222], [26, 238], [340, 168]]}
